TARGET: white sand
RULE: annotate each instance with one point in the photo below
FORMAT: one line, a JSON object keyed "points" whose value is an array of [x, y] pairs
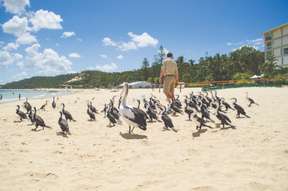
{"points": [[254, 156]]}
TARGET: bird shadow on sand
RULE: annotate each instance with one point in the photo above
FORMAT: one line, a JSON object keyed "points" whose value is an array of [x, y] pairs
{"points": [[199, 132], [15, 121], [61, 134], [152, 121], [132, 136], [226, 128], [36, 130]]}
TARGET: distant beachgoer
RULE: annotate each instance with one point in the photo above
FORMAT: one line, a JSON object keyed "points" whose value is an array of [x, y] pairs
{"points": [[1, 97], [19, 96], [169, 76]]}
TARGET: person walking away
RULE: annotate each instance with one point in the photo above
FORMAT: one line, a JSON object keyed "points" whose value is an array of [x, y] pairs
{"points": [[169, 76]]}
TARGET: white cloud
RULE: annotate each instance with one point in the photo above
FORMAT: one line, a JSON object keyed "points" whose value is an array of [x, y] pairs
{"points": [[48, 61], [44, 19], [120, 57], [258, 44], [103, 56], [135, 42], [16, 26], [26, 39], [107, 67], [68, 34], [24, 27], [108, 42], [143, 40], [11, 46], [74, 55], [7, 58], [15, 6], [124, 46]]}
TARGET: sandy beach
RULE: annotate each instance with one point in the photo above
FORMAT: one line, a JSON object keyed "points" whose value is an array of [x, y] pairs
{"points": [[254, 156]]}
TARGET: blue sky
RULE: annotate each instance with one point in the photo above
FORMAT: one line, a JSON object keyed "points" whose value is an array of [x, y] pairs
{"points": [[70, 36]]}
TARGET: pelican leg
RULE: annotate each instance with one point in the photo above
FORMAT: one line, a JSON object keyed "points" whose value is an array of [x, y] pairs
{"points": [[132, 130], [129, 130]]}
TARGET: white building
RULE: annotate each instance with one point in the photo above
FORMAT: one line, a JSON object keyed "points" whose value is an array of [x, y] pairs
{"points": [[138, 84], [276, 42]]}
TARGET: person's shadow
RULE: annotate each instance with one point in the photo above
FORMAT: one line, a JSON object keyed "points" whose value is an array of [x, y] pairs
{"points": [[132, 136]]}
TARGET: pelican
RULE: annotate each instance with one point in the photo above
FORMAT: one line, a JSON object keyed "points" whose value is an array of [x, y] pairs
{"points": [[131, 115], [53, 103], [90, 113], [21, 114], [188, 109], [167, 120], [224, 119], [39, 121], [44, 105], [67, 114], [110, 116], [251, 101], [63, 125], [239, 109], [92, 108], [27, 105]]}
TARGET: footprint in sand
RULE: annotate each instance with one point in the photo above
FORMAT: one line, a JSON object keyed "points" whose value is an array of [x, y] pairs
{"points": [[39, 175], [204, 188], [58, 152]]}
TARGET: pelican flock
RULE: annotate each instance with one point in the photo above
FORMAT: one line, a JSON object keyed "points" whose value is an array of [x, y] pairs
{"points": [[206, 110]]}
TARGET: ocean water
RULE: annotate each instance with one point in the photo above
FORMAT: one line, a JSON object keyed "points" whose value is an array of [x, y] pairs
{"points": [[13, 94]]}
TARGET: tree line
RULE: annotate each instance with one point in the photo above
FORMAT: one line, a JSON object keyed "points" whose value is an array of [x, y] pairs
{"points": [[239, 64]]}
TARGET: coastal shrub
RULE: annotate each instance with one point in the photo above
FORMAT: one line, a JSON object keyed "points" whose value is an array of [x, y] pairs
{"points": [[242, 76]]}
